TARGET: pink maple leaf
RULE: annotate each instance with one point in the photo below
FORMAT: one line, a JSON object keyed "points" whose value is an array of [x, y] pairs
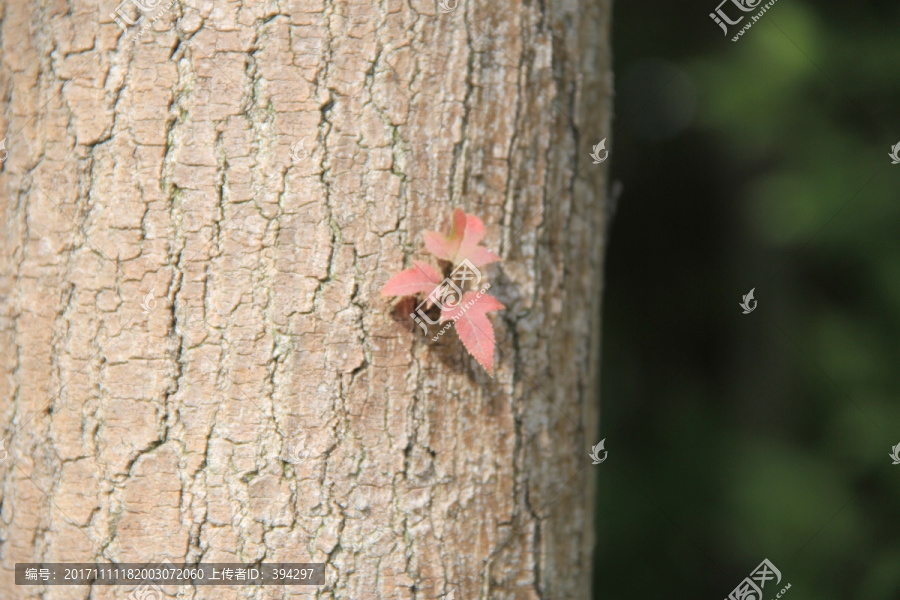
{"points": [[443, 247], [473, 327], [421, 278], [469, 248], [463, 243]]}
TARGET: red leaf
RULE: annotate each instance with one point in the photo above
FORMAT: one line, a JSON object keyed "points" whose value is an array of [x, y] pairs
{"points": [[440, 246], [475, 230], [469, 248], [478, 256], [473, 326], [468, 231], [420, 278], [443, 247]]}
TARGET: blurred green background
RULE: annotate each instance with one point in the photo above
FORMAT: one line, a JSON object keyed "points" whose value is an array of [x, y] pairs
{"points": [[762, 164]]}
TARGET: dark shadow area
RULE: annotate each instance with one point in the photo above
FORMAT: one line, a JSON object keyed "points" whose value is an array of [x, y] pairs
{"points": [[758, 164]]}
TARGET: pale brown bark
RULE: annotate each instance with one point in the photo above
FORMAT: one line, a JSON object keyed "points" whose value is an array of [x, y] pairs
{"points": [[165, 164]]}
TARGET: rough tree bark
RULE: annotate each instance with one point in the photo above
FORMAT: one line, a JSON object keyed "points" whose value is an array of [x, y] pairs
{"points": [[197, 221]]}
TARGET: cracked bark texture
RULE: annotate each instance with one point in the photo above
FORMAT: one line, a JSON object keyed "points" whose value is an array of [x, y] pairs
{"points": [[197, 221]]}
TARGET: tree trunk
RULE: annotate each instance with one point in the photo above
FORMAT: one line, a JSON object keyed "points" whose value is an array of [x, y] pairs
{"points": [[199, 212]]}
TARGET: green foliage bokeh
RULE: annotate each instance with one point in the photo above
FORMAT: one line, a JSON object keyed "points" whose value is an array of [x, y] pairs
{"points": [[733, 438]]}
